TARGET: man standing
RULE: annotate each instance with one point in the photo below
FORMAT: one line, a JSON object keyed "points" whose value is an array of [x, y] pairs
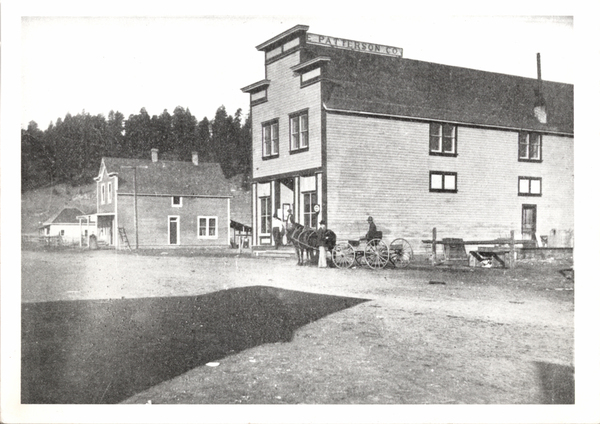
{"points": [[322, 242], [277, 231]]}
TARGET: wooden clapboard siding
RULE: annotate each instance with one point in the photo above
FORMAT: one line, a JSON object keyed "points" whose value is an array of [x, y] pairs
{"points": [[153, 213], [380, 167], [285, 97]]}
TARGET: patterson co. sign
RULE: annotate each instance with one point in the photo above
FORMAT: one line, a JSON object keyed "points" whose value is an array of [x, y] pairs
{"points": [[342, 43]]}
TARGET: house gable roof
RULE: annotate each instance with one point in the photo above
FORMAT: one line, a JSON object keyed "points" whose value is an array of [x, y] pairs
{"points": [[375, 84], [171, 178], [65, 216]]}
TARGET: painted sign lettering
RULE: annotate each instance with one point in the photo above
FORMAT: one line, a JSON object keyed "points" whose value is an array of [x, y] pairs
{"points": [[342, 43]]}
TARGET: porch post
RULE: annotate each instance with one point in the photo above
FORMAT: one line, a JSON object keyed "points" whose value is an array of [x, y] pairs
{"points": [[254, 216]]}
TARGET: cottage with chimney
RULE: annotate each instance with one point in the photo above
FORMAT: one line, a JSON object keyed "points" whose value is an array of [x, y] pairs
{"points": [[161, 203], [344, 129]]}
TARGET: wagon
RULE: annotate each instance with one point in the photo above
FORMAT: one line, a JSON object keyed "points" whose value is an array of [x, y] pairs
{"points": [[375, 253]]}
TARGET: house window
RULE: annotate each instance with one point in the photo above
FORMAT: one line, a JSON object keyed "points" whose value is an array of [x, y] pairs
{"points": [[207, 227], [530, 147], [442, 182], [265, 215], [442, 139], [62, 232], [102, 194], [176, 201], [299, 131], [310, 216], [530, 186], [109, 193], [270, 136]]}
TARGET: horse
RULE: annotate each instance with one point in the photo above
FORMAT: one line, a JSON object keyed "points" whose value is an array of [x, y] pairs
{"points": [[300, 244], [305, 240]]}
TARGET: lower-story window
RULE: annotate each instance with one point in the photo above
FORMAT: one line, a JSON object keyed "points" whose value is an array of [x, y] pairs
{"points": [[310, 216], [265, 215], [207, 227], [442, 181], [530, 186]]}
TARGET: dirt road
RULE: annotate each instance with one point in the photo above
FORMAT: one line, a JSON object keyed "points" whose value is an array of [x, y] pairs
{"points": [[277, 333]]}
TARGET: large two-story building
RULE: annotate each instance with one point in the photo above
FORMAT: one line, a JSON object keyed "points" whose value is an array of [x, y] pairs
{"points": [[343, 130]]}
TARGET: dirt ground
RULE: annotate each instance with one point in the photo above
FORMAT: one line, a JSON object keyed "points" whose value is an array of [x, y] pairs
{"points": [[244, 330]]}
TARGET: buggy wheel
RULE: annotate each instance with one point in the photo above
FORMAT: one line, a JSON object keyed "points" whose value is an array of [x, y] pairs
{"points": [[376, 254], [401, 253], [343, 255]]}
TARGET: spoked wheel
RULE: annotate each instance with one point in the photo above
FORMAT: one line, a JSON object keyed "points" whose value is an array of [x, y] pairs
{"points": [[401, 253], [376, 254], [343, 255]]}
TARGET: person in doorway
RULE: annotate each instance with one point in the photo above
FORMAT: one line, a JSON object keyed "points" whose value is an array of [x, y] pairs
{"points": [[372, 233], [322, 242], [277, 231]]}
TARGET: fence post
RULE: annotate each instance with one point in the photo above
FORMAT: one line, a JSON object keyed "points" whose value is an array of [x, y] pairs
{"points": [[511, 260], [433, 247]]}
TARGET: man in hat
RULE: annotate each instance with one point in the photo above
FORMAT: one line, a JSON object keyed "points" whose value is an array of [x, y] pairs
{"points": [[372, 233], [322, 242]]}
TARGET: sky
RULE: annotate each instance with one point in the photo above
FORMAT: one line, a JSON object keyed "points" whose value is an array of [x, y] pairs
{"points": [[98, 64]]}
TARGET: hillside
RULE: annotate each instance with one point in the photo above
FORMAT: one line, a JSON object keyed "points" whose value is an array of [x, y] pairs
{"points": [[39, 205]]}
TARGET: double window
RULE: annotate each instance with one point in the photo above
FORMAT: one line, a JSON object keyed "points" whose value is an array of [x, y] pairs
{"points": [[270, 139], [299, 131], [530, 186], [530, 147], [442, 182], [442, 139], [207, 227]]}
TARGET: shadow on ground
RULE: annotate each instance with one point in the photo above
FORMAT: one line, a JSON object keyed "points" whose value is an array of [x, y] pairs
{"points": [[104, 351], [557, 383]]}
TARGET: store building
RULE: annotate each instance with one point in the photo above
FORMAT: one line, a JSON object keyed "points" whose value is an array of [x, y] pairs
{"points": [[343, 130], [161, 203]]}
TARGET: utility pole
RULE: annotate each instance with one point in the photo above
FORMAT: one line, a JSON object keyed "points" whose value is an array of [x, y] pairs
{"points": [[135, 210]]}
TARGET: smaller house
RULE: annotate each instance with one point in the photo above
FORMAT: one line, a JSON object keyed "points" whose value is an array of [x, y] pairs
{"points": [[162, 203], [67, 225]]}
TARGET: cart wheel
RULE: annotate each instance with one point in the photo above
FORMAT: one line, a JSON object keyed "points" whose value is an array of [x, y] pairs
{"points": [[401, 253], [376, 254], [343, 255]]}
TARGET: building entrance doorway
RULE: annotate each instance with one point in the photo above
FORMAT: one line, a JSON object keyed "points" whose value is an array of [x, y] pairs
{"points": [[528, 222], [173, 230]]}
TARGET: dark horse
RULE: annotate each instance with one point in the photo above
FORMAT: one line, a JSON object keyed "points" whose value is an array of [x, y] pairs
{"points": [[305, 241]]}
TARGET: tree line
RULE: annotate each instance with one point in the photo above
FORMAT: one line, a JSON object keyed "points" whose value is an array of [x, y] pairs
{"points": [[70, 150]]}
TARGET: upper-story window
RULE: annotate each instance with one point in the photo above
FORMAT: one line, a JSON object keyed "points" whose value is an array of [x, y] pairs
{"points": [[110, 193], [299, 131], [176, 201], [102, 194], [530, 147], [442, 139], [270, 139]]}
